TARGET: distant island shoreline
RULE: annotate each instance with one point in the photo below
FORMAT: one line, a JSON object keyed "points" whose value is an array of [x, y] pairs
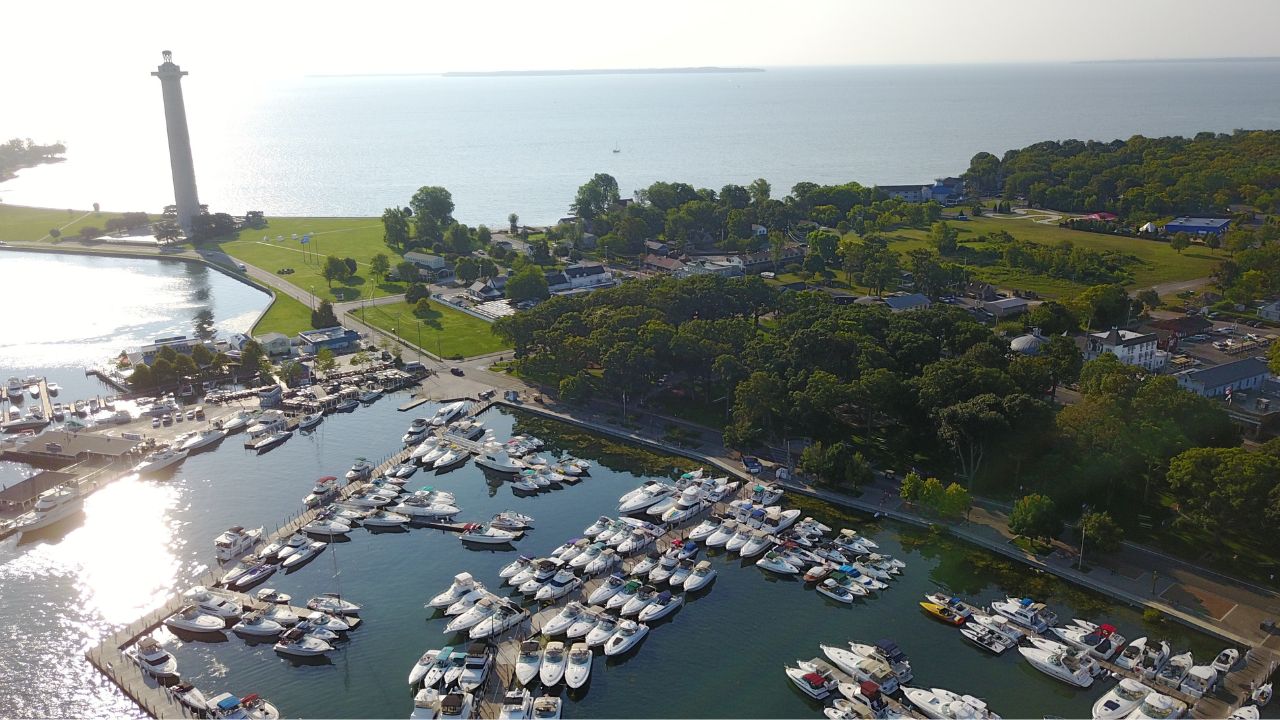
{"points": [[603, 71]]}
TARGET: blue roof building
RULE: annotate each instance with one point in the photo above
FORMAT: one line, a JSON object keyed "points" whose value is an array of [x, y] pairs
{"points": [[1197, 226]]}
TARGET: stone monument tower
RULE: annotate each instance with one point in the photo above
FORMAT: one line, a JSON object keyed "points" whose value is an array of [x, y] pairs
{"points": [[175, 116]]}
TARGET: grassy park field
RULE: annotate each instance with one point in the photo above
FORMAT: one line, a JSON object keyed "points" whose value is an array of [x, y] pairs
{"points": [[285, 315], [444, 331], [273, 248], [1157, 262], [19, 223]]}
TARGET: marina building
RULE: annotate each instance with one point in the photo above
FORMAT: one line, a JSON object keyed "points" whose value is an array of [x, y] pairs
{"points": [[1197, 226], [337, 339], [1219, 380]]}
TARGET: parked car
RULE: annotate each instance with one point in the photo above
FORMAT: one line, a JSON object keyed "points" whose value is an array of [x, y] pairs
{"points": [[1199, 337], [457, 371]]}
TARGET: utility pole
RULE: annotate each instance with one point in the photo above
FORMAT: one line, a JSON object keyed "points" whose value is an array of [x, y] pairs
{"points": [[1080, 563]]}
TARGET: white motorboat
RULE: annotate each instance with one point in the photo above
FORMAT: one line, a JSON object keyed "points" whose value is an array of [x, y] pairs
{"points": [[360, 469], [456, 705], [607, 589], [154, 659], [540, 575], [554, 661], [403, 471], [486, 534], [447, 662], [604, 629], [579, 668], [627, 636], [213, 603], [272, 596], [253, 576], [475, 615], [250, 707], [702, 574], [282, 614], [514, 567], [1199, 680], [386, 518], [831, 589], [507, 617], [1246, 712], [463, 583], [428, 445], [987, 638], [1100, 641], [51, 506], [639, 539], [584, 624], [943, 704], [466, 602], [645, 565], [1174, 670], [332, 623], [511, 520], [333, 604], [562, 620], [450, 457], [813, 680], [663, 605], [300, 556], [563, 583], [327, 527], [547, 707], [417, 507], [432, 454], [500, 462], [1120, 700], [309, 421], [516, 705], [706, 528], [257, 625], [476, 666], [447, 413], [584, 558], [1226, 660], [201, 439], [660, 572], [1156, 706], [598, 526], [192, 619], [739, 539], [299, 644], [1058, 664], [624, 595], [643, 596], [758, 542], [681, 573], [727, 529], [271, 440], [605, 560], [426, 704], [159, 460], [235, 542], [869, 667], [323, 491], [1261, 695], [1130, 658], [1026, 612], [528, 662], [649, 495], [237, 422], [774, 562]]}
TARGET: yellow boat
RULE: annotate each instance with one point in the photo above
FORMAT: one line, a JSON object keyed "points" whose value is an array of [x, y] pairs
{"points": [[946, 615]]}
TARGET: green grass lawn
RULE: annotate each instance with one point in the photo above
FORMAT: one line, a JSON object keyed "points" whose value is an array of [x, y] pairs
{"points": [[446, 332], [31, 224], [1157, 262], [285, 315], [356, 238]]}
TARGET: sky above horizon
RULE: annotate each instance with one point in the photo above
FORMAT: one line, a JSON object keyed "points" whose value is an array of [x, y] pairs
{"points": [[71, 42]]}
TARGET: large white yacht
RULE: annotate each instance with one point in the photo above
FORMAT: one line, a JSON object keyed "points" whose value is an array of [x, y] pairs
{"points": [[235, 542], [159, 460], [51, 506], [201, 439]]}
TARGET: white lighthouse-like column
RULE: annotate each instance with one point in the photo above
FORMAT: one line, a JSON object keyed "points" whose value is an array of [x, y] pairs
{"points": [[175, 115]]}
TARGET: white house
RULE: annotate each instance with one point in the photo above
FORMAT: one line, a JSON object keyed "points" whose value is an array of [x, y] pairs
{"points": [[906, 193], [1247, 374], [589, 276], [1006, 307], [1131, 348], [274, 343]]}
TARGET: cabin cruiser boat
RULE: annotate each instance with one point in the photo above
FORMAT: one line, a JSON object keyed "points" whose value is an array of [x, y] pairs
{"points": [[487, 535], [562, 584], [584, 624], [598, 526], [579, 668], [554, 660], [541, 575], [300, 556], [813, 680], [739, 539], [514, 567], [269, 441], [945, 705], [250, 707], [663, 605], [448, 664], [456, 705], [647, 496], [452, 457], [299, 644], [516, 705], [511, 520], [1198, 680], [468, 601], [213, 603], [627, 636], [272, 596], [840, 593], [547, 707], [51, 506], [706, 528], [1026, 612], [327, 527], [528, 662], [430, 659], [258, 625], [160, 460], [309, 421], [663, 569], [478, 613], [235, 542], [463, 583], [702, 574], [603, 630], [447, 413], [1226, 660], [385, 518], [774, 562], [758, 542], [360, 469], [1156, 706], [1154, 658], [499, 462], [639, 539], [681, 573], [988, 638], [331, 623], [607, 589], [1059, 664], [192, 619], [954, 604], [1120, 700], [201, 439], [863, 667], [643, 596], [154, 659], [14, 388], [428, 444], [403, 471], [727, 530], [324, 490], [253, 576], [1101, 641], [1175, 669], [237, 422], [562, 620], [585, 557], [507, 617], [334, 604], [268, 421], [475, 667], [624, 595]]}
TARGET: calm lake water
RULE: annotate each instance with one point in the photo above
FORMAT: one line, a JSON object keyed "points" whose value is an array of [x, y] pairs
{"points": [[355, 145], [722, 655]]}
